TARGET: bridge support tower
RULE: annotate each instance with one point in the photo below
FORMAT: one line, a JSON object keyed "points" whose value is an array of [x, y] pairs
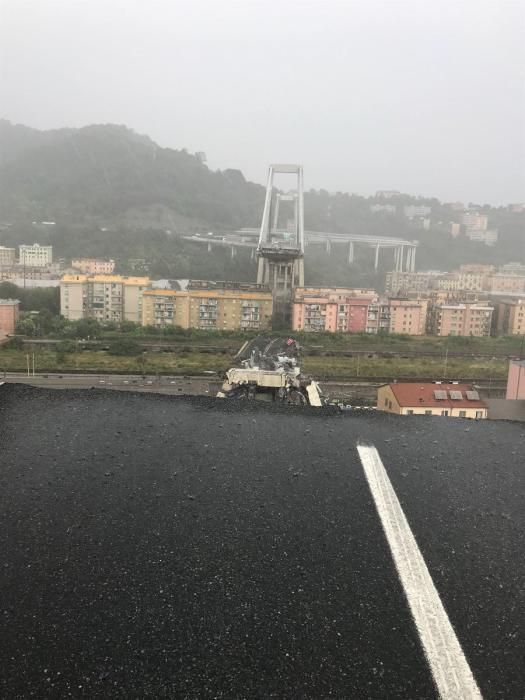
{"points": [[280, 251]]}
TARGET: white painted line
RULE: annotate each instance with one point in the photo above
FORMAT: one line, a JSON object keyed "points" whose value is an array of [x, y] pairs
{"points": [[449, 667]]}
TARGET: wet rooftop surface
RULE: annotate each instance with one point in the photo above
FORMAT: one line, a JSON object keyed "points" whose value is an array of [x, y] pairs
{"points": [[155, 546]]}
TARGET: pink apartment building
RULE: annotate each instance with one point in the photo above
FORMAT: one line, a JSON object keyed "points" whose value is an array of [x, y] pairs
{"points": [[314, 313], [331, 309], [94, 266], [408, 316], [516, 380], [461, 319], [8, 315], [357, 314]]}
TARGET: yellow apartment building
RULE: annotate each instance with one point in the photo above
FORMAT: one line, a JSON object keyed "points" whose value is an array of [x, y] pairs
{"points": [[505, 284], [209, 308]]}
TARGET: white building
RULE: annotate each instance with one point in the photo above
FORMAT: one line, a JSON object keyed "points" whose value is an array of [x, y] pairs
{"points": [[388, 208], [413, 210], [7, 256], [474, 221], [35, 255], [488, 237]]}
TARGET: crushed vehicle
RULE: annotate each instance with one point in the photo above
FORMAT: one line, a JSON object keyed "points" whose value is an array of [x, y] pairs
{"points": [[268, 368]]}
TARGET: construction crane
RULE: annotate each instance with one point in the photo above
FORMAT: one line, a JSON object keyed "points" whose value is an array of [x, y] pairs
{"points": [[268, 368]]}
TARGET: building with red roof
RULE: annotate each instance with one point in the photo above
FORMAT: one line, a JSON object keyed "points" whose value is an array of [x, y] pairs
{"points": [[431, 399]]}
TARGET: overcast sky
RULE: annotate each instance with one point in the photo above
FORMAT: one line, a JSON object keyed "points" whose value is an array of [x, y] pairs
{"points": [[422, 96]]}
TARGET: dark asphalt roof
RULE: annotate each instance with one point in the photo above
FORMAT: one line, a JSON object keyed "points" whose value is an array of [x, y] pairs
{"points": [[195, 548]]}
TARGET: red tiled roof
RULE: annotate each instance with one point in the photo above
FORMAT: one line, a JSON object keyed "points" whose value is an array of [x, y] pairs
{"points": [[413, 394]]}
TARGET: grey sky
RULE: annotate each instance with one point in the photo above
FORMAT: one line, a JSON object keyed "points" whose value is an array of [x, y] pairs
{"points": [[424, 96]]}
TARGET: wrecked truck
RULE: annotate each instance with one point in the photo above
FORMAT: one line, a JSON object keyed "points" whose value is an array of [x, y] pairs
{"points": [[268, 368]]}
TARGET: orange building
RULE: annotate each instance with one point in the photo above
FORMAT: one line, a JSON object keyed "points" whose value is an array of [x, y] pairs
{"points": [[516, 380], [461, 319], [9, 312], [408, 316]]}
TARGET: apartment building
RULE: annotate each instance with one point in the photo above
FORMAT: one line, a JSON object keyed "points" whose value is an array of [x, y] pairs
{"points": [[411, 281], [408, 316], [416, 210], [461, 319], [9, 313], [488, 237], [477, 268], [26, 272], [505, 284], [331, 309], [510, 316], [443, 296], [35, 255], [7, 256], [474, 221], [431, 399], [378, 317], [513, 268], [108, 298], [94, 266], [355, 313], [210, 306], [516, 380], [461, 281], [471, 281], [387, 194], [314, 314], [448, 282], [386, 208]]}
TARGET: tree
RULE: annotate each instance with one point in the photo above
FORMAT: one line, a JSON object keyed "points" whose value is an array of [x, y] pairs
{"points": [[8, 290], [26, 326], [129, 327], [84, 328]]}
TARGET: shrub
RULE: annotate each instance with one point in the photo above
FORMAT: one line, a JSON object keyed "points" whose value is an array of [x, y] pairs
{"points": [[124, 346]]}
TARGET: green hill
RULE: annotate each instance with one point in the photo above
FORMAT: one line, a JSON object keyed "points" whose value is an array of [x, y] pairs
{"points": [[113, 192]]}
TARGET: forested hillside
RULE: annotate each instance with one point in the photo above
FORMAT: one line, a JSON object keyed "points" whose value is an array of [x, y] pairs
{"points": [[116, 193]]}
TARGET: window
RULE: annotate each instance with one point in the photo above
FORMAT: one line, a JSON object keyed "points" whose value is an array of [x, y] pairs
{"points": [[410, 412], [479, 414], [462, 414], [428, 413], [444, 412]]}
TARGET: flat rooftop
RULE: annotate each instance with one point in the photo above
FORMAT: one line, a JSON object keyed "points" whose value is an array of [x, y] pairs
{"points": [[189, 547]]}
